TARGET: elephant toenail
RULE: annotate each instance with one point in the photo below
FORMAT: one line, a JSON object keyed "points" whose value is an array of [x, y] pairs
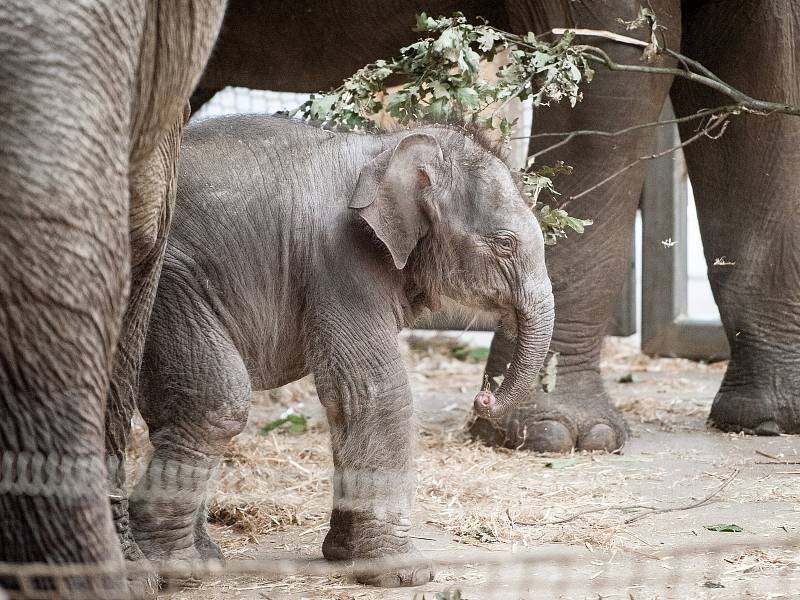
{"points": [[600, 437], [768, 428], [548, 436]]}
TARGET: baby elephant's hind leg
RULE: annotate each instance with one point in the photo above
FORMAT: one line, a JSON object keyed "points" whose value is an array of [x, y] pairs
{"points": [[195, 398]]}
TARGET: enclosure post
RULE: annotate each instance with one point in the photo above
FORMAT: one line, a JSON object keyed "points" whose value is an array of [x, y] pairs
{"points": [[667, 329]]}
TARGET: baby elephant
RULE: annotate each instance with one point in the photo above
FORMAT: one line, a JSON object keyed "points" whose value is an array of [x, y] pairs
{"points": [[297, 250]]}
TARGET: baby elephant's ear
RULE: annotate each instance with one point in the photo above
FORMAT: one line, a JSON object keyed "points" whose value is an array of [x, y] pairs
{"points": [[389, 195]]}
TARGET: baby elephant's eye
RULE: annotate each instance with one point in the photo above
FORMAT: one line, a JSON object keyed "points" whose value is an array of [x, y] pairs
{"points": [[505, 243]]}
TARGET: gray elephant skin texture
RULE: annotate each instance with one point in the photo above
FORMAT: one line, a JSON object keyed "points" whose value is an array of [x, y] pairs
{"points": [[93, 97], [298, 250]]}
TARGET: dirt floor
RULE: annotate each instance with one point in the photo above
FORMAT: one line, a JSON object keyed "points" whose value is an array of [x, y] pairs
{"points": [[565, 527]]}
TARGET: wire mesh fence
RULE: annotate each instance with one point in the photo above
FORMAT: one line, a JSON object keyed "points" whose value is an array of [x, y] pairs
{"points": [[238, 100], [767, 567], [691, 571]]}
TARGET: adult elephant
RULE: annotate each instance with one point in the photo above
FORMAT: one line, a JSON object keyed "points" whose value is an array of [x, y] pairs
{"points": [[745, 183], [93, 97]]}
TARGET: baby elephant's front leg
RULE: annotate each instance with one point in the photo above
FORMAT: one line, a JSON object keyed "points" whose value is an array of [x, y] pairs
{"points": [[373, 486]]}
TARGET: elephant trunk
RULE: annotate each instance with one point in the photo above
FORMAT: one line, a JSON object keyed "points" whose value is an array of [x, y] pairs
{"points": [[534, 330]]}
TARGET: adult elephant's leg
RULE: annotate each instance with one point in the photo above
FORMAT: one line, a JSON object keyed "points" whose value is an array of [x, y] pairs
{"points": [[152, 185], [587, 271], [176, 40], [64, 138], [747, 187]]}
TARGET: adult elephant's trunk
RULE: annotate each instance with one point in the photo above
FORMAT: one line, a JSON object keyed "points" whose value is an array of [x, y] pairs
{"points": [[534, 330]]}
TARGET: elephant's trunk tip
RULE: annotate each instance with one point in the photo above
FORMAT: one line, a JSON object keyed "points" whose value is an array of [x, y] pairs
{"points": [[534, 330], [486, 406]]}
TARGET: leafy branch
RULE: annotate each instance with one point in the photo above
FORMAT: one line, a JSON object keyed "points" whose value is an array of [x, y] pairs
{"points": [[554, 221], [693, 70], [440, 77]]}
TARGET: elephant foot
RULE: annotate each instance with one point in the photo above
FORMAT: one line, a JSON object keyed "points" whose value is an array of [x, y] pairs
{"points": [[207, 548], [140, 585], [183, 551], [759, 393], [754, 410], [185, 567], [578, 414], [373, 543]]}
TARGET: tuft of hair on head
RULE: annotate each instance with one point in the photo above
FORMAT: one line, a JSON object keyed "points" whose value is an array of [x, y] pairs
{"points": [[461, 125]]}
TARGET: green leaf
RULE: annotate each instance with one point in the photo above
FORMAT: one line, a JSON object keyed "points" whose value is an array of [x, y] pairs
{"points": [[470, 354], [557, 169], [321, 106], [440, 90], [448, 595], [448, 44], [724, 527], [381, 73], [438, 109], [297, 424], [424, 23], [487, 39], [575, 224], [468, 98], [505, 127], [561, 463], [627, 378]]}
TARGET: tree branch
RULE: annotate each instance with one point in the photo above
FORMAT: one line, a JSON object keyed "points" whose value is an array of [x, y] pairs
{"points": [[701, 502], [706, 78], [570, 135], [597, 55], [716, 124], [602, 33], [692, 70], [653, 510], [690, 62]]}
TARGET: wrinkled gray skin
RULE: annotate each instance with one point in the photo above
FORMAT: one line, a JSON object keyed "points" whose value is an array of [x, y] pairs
{"points": [[745, 183], [93, 96], [296, 250]]}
